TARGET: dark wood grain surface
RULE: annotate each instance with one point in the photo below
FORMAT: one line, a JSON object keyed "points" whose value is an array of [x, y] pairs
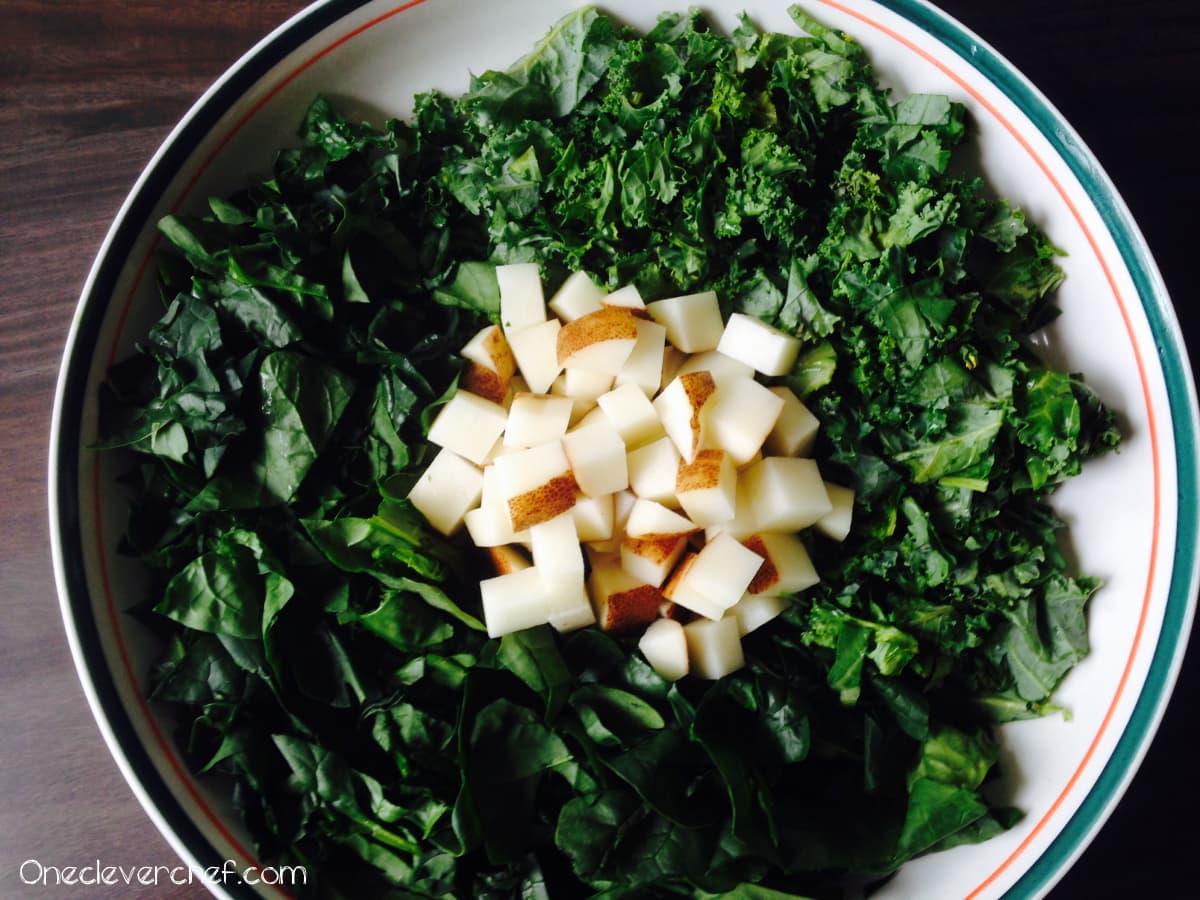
{"points": [[87, 92]]}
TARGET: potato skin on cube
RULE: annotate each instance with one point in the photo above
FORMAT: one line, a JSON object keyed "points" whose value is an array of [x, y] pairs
{"points": [[601, 341]]}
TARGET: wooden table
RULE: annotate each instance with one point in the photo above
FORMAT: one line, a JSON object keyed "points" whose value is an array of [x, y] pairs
{"points": [[87, 92]]}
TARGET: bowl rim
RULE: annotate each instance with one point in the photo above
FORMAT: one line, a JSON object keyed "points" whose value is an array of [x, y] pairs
{"points": [[66, 448]]}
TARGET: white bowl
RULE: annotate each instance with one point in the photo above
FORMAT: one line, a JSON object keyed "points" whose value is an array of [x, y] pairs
{"points": [[1118, 329]]}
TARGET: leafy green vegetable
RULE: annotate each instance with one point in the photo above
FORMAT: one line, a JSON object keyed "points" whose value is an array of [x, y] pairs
{"points": [[324, 647]]}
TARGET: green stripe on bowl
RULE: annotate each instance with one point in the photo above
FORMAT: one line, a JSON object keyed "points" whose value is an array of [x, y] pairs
{"points": [[1185, 424]]}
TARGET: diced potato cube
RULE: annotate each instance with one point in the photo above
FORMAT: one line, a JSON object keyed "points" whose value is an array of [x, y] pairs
{"points": [[836, 523], [556, 550], [491, 367], [446, 490], [601, 341], [717, 364], [597, 457], [755, 343], [622, 602], [514, 602], [681, 408], [684, 594], [741, 417], [652, 471], [594, 517], [796, 428], [755, 610], [576, 615], [577, 297], [664, 645], [649, 519], [469, 426], [786, 568], [536, 419], [521, 300], [627, 297], [693, 321], [714, 647], [720, 573], [632, 415], [707, 488], [645, 364], [786, 493], [536, 484], [535, 349], [651, 559]]}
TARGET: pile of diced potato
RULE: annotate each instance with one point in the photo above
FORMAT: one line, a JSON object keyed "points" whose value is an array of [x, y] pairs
{"points": [[633, 452]]}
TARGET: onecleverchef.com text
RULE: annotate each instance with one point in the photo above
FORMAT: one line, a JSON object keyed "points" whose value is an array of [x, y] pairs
{"points": [[97, 873]]}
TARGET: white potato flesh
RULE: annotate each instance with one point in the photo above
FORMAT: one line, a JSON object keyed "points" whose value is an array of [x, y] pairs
{"points": [[600, 342], [684, 593], [627, 297], [522, 303], [741, 416], [469, 426], [652, 471], [556, 549], [693, 321], [743, 523], [796, 429], [787, 568], [447, 489], [577, 297], [714, 647], [631, 413], [514, 602], [594, 517], [597, 457], [786, 493], [536, 484], [665, 647], [537, 419], [623, 502], [489, 526], [682, 408], [755, 610], [755, 343], [535, 349], [579, 384], [592, 416], [645, 364], [836, 523], [716, 364], [707, 488], [650, 519], [578, 614], [721, 571]]}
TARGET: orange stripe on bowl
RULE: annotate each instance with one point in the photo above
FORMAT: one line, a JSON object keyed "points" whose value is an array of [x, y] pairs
{"points": [[1146, 395]]}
